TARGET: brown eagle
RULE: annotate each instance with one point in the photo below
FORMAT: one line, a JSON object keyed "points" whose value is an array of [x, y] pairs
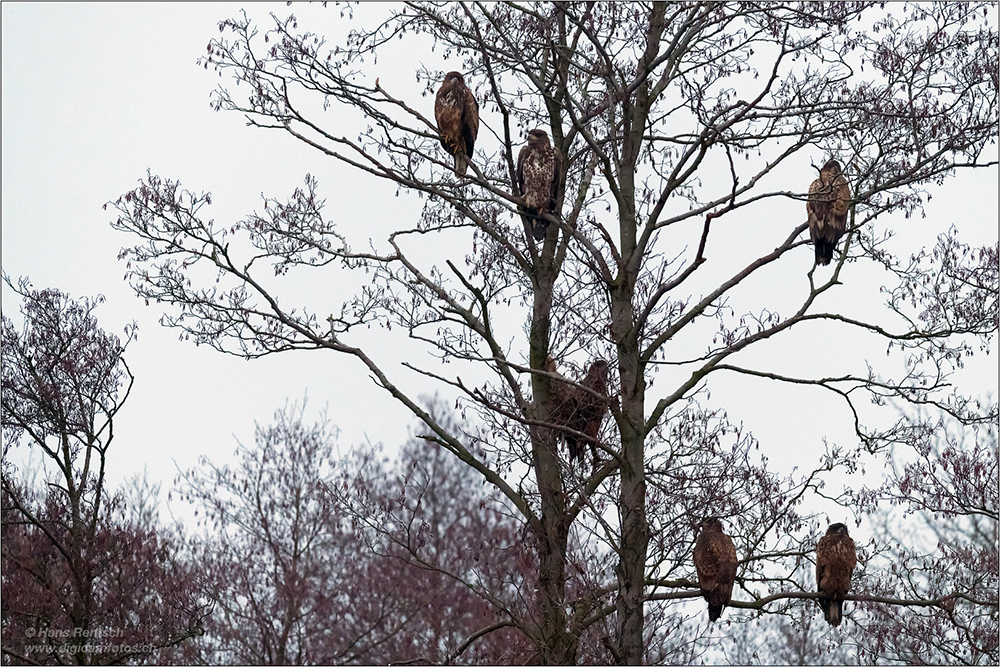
{"points": [[715, 561], [579, 409], [835, 561], [538, 167], [457, 114], [829, 198]]}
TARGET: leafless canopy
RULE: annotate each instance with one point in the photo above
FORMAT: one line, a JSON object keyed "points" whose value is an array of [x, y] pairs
{"points": [[679, 126]]}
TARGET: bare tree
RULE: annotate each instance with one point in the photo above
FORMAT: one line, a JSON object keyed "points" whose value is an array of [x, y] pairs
{"points": [[674, 123], [298, 577], [460, 554], [948, 481], [86, 580], [281, 566]]}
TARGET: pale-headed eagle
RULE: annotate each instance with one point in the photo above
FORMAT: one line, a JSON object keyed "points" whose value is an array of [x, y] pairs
{"points": [[538, 167], [457, 115], [835, 561], [579, 409], [715, 561], [829, 198]]}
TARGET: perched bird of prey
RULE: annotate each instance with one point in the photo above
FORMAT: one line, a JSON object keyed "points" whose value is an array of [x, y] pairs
{"points": [[457, 114], [715, 561], [835, 561], [829, 198], [538, 167], [579, 409]]}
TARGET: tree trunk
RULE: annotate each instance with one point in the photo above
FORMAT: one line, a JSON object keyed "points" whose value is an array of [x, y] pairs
{"points": [[556, 646], [631, 568], [632, 495]]}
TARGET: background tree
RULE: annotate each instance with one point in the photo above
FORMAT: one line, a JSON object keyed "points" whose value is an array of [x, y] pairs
{"points": [[86, 579], [296, 580], [939, 507], [683, 129], [456, 547], [283, 570], [797, 637]]}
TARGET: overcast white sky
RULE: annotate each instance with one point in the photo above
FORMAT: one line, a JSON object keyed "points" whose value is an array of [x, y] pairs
{"points": [[94, 95]]}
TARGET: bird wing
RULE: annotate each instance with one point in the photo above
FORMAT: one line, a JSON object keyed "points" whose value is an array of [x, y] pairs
{"points": [[822, 554], [816, 204], [841, 202], [470, 120], [556, 173], [521, 159]]}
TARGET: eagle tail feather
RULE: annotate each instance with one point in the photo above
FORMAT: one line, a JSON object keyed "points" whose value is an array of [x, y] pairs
{"points": [[833, 610], [824, 252], [538, 228], [573, 445], [714, 612]]}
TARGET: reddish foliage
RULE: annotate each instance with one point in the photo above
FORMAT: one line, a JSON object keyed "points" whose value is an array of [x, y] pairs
{"points": [[83, 582]]}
